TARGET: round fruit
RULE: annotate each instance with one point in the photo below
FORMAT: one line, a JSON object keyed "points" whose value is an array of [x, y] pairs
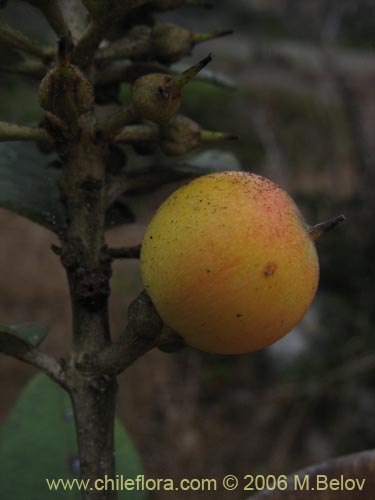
{"points": [[229, 264]]}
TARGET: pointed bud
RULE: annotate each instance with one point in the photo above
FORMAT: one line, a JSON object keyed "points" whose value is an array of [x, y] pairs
{"points": [[190, 73], [157, 96], [319, 230], [138, 133], [65, 91], [204, 37], [181, 134], [170, 42], [211, 136], [143, 138]]}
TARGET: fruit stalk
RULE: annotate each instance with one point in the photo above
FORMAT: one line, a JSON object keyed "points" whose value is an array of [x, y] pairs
{"points": [[87, 46], [139, 133], [13, 132]]}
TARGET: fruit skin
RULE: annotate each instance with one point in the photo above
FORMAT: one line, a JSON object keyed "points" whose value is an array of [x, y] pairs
{"points": [[171, 42], [179, 136], [228, 263], [155, 97]]}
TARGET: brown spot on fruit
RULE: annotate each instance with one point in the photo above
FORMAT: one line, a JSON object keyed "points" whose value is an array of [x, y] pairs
{"points": [[270, 269]]}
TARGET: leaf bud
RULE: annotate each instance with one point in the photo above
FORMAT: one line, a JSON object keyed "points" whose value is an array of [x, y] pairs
{"points": [[181, 134], [170, 42], [65, 91], [157, 96]]}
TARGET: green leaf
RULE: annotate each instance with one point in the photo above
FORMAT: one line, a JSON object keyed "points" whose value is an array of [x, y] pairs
{"points": [[38, 442], [143, 180], [27, 186], [16, 339], [30, 188], [152, 178], [215, 160]]}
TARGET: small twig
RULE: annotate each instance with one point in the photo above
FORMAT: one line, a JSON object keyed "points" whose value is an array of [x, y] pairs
{"points": [[127, 72], [125, 252], [116, 121], [139, 133], [14, 132], [142, 334], [126, 48], [87, 46], [47, 364], [89, 43], [32, 69], [22, 42], [116, 186]]}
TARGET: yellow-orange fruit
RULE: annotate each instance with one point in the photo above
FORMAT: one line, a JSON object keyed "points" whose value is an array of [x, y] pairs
{"points": [[228, 263]]}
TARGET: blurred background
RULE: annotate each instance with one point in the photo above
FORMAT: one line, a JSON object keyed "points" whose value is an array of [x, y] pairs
{"points": [[303, 103]]}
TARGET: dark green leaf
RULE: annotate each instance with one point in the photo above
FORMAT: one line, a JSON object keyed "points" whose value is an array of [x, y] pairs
{"points": [[27, 186], [147, 179], [16, 339], [38, 442], [30, 188], [215, 160], [150, 179]]}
